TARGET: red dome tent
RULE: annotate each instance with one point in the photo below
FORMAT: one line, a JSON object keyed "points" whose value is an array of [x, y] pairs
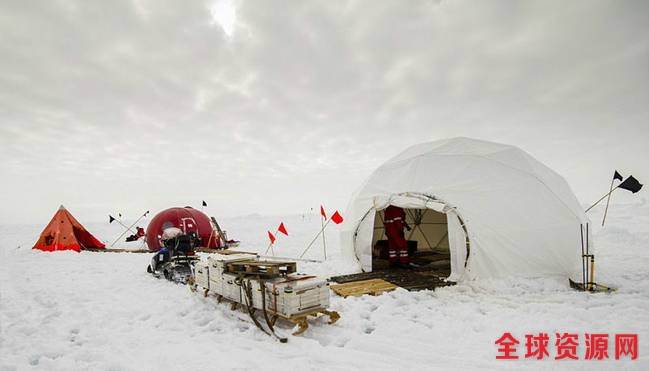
{"points": [[64, 232], [187, 220]]}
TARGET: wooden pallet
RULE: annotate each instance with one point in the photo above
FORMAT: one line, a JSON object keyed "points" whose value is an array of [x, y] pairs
{"points": [[357, 288], [261, 268]]}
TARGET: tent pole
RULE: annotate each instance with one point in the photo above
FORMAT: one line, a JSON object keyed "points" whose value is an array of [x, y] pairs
{"points": [[440, 241], [382, 228], [426, 238]]}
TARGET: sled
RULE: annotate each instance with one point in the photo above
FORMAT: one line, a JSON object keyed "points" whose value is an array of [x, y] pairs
{"points": [[272, 288]]}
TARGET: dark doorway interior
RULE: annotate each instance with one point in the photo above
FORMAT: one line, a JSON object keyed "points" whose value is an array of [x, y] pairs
{"points": [[427, 242]]}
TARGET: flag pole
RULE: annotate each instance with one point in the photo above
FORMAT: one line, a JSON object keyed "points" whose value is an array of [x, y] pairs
{"points": [[122, 224], [603, 197], [134, 223], [324, 243], [272, 242], [315, 238], [608, 200], [270, 247]]}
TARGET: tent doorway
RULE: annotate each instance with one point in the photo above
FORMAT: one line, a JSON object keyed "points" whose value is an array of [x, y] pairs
{"points": [[428, 241]]}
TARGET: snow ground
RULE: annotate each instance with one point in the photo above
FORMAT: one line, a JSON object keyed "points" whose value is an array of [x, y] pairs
{"points": [[101, 311]]}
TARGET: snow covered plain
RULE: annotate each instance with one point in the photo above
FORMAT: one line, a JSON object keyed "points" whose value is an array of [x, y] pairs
{"points": [[102, 311]]}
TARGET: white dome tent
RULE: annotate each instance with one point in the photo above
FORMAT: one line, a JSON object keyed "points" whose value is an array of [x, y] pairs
{"points": [[491, 208]]}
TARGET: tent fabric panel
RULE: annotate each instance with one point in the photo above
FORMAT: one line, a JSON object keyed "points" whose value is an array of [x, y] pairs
{"points": [[457, 246], [364, 242], [88, 240]]}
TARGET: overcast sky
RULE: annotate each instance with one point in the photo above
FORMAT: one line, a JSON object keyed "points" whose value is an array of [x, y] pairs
{"points": [[274, 107]]}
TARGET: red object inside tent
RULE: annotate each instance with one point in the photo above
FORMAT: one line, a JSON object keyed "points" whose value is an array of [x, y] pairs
{"points": [[64, 232], [187, 220]]}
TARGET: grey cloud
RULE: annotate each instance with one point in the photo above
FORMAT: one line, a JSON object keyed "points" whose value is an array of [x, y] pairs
{"points": [[148, 104]]}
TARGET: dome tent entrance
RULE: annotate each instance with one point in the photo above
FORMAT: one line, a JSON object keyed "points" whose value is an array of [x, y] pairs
{"points": [[506, 213], [435, 228]]}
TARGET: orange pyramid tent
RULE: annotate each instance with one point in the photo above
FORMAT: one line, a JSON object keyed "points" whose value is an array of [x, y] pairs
{"points": [[64, 232]]}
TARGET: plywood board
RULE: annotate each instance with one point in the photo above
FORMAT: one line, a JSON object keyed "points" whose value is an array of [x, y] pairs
{"points": [[358, 288]]}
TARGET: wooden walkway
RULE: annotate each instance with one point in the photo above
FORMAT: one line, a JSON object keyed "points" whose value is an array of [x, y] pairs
{"points": [[410, 279], [136, 251], [357, 288]]}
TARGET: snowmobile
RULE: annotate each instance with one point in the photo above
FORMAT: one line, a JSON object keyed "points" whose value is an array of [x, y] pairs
{"points": [[175, 260]]}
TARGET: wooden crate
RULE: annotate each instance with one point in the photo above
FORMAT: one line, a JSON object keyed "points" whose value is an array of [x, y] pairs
{"points": [[358, 288]]}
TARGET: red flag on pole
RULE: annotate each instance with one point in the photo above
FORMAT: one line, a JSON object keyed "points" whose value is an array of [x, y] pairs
{"points": [[337, 218], [271, 237], [322, 212], [282, 229]]}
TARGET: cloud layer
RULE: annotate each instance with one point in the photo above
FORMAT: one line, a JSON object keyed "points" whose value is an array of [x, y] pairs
{"points": [[135, 105]]}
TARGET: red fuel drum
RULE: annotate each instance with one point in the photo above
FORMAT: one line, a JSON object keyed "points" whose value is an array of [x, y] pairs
{"points": [[187, 220]]}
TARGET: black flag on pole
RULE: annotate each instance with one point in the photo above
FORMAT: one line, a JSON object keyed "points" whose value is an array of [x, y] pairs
{"points": [[631, 184], [204, 203], [110, 219], [617, 176]]}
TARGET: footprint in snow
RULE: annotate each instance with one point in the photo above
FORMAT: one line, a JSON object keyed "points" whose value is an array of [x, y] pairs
{"points": [[369, 328]]}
